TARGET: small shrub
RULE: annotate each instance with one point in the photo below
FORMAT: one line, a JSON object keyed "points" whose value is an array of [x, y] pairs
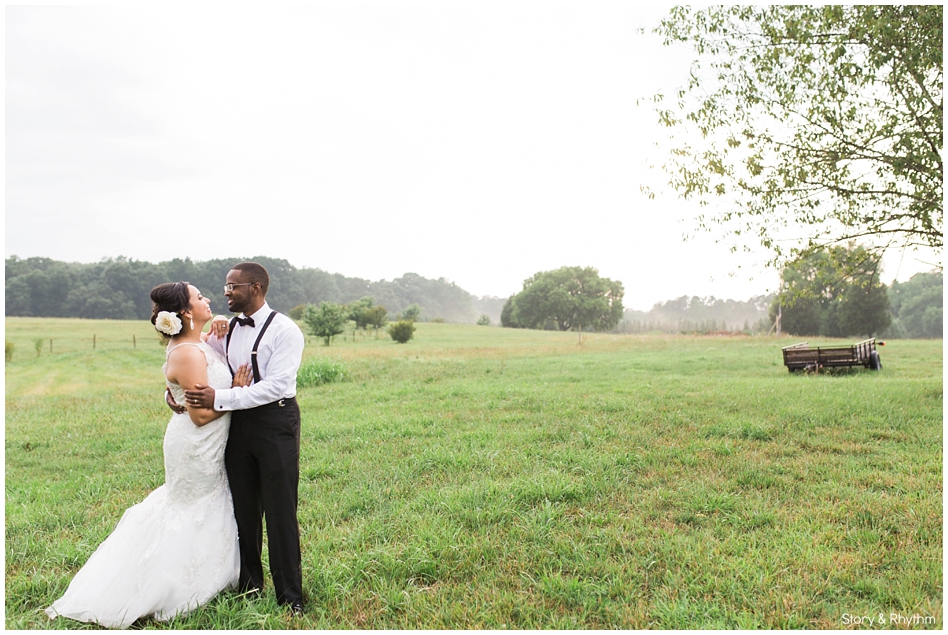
{"points": [[9, 350], [319, 370], [402, 331], [484, 320], [437, 320]]}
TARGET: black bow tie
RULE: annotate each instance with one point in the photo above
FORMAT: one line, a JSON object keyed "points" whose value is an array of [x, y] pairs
{"points": [[244, 321]]}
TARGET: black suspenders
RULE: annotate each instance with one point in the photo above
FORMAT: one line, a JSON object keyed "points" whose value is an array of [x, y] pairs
{"points": [[253, 353]]}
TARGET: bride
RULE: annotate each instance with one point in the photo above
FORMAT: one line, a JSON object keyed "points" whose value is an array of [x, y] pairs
{"points": [[178, 548]]}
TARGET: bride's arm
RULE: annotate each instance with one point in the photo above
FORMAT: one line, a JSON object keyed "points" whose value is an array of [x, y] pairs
{"points": [[187, 367]]}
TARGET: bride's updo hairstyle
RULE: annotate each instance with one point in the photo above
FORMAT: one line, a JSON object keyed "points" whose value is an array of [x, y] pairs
{"points": [[173, 297]]}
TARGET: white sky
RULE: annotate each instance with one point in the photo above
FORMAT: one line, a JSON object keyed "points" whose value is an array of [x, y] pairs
{"points": [[476, 141]]}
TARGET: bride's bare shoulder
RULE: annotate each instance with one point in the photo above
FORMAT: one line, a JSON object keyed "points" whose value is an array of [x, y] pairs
{"points": [[186, 355], [186, 365]]}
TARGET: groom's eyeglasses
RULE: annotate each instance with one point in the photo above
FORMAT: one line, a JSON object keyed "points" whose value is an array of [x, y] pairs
{"points": [[230, 286]]}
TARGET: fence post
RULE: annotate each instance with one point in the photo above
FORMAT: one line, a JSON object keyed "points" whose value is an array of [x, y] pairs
{"points": [[93, 342], [51, 346], [134, 344]]}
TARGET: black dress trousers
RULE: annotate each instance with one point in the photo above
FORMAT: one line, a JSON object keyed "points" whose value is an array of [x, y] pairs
{"points": [[263, 467]]}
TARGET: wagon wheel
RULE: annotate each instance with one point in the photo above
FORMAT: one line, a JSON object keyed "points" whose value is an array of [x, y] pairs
{"points": [[875, 363]]}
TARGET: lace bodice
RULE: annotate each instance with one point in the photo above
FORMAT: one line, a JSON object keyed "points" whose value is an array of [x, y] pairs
{"points": [[194, 455], [218, 374]]}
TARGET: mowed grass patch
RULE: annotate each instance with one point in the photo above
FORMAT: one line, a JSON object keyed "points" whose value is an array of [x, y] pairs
{"points": [[479, 477]]}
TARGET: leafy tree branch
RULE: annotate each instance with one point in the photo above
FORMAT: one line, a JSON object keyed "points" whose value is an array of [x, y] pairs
{"points": [[822, 118]]}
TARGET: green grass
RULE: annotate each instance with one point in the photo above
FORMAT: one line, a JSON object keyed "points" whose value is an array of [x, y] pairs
{"points": [[319, 370], [494, 478]]}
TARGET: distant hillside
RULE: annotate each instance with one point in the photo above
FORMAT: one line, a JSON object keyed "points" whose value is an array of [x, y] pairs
{"points": [[119, 288]]}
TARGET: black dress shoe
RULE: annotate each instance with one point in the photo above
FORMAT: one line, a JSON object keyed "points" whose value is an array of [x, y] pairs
{"points": [[296, 608]]}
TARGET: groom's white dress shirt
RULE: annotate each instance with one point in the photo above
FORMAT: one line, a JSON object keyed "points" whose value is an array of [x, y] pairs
{"points": [[278, 359]]}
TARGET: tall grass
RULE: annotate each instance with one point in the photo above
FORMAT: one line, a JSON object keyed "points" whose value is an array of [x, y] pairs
{"points": [[493, 478], [319, 370]]}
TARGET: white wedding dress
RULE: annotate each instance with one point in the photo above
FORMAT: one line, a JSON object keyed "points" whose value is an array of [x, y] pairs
{"points": [[176, 549]]}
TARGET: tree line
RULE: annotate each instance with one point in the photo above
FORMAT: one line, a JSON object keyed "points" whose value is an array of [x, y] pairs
{"points": [[693, 314], [833, 293], [918, 306], [118, 288]]}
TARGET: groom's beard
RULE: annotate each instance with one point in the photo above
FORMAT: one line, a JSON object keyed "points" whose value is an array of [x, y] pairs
{"points": [[237, 306]]}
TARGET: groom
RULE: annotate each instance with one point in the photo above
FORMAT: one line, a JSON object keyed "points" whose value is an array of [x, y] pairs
{"points": [[263, 449]]}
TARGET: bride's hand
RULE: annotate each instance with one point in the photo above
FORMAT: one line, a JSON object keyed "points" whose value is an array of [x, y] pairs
{"points": [[242, 377], [219, 327]]}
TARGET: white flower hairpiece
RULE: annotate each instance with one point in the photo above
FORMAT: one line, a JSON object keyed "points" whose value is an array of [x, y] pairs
{"points": [[168, 323]]}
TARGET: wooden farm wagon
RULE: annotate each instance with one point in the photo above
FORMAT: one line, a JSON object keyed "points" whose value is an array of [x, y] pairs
{"points": [[804, 357]]}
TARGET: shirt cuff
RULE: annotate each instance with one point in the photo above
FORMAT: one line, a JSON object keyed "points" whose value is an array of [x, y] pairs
{"points": [[223, 399]]}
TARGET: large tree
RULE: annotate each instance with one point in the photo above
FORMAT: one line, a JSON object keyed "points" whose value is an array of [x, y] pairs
{"points": [[571, 298], [834, 292], [808, 126]]}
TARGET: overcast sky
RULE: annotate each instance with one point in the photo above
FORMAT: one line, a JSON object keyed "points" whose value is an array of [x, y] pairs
{"points": [[476, 141]]}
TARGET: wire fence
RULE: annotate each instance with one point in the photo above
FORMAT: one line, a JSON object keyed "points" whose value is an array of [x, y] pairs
{"points": [[20, 346]]}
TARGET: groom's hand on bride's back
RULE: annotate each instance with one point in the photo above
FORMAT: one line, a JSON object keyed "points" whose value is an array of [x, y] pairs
{"points": [[169, 399]]}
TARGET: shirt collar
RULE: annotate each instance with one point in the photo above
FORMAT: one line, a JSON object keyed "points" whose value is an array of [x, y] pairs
{"points": [[264, 310]]}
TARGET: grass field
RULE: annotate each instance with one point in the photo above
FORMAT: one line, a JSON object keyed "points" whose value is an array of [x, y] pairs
{"points": [[479, 477]]}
